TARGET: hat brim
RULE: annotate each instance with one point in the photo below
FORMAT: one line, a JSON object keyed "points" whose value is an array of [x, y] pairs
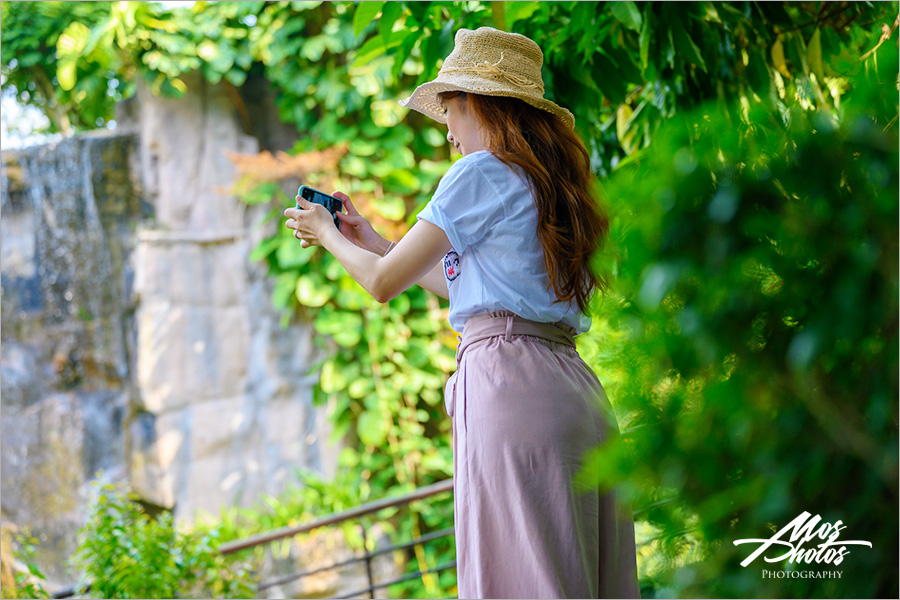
{"points": [[424, 99]]}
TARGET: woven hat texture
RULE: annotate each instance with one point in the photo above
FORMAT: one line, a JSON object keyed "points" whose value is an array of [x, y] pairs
{"points": [[490, 62]]}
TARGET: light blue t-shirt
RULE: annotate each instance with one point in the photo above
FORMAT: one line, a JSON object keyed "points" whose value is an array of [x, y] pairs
{"points": [[497, 262]]}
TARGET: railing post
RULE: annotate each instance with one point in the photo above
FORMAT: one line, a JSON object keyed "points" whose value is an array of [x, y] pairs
{"points": [[362, 527]]}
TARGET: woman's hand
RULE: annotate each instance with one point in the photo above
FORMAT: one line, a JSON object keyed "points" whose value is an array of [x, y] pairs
{"points": [[308, 222], [357, 229]]}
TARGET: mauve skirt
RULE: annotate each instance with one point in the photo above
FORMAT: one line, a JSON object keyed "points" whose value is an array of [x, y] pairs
{"points": [[525, 409]]}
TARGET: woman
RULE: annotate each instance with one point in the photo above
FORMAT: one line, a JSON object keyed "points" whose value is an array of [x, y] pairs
{"points": [[508, 237]]}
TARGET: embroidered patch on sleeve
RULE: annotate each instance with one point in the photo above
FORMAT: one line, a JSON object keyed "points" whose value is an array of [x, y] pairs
{"points": [[451, 265]]}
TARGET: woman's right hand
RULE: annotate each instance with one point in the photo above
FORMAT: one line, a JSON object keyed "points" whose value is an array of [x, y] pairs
{"points": [[357, 229]]}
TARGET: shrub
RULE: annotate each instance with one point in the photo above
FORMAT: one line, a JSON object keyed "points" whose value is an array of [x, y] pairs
{"points": [[124, 553]]}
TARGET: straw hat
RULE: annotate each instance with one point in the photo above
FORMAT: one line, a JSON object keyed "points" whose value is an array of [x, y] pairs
{"points": [[493, 63]]}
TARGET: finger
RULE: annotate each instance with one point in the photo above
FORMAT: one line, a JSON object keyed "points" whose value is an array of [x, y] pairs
{"points": [[347, 203], [291, 224], [304, 244], [304, 203], [348, 218], [297, 235], [291, 213]]}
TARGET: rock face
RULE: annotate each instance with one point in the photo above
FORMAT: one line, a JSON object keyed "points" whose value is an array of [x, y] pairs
{"points": [[66, 349], [225, 404], [137, 338]]}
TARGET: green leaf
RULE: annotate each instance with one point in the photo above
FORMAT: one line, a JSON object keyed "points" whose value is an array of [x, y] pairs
{"points": [[686, 46], [623, 124], [814, 55], [389, 15], [72, 41], [669, 47], [375, 47], [312, 290], [403, 53], [419, 11], [290, 254], [344, 326], [438, 47], [65, 74], [365, 14], [332, 379], [348, 338], [363, 147], [519, 11], [646, 35], [778, 58], [433, 137], [391, 207], [627, 13], [360, 387], [402, 181], [372, 428], [401, 304]]}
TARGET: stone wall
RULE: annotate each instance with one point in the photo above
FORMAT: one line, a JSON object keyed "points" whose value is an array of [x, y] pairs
{"points": [[67, 214], [225, 407], [137, 338]]}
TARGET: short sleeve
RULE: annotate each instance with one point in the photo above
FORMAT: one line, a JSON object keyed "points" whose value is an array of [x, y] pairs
{"points": [[465, 205]]}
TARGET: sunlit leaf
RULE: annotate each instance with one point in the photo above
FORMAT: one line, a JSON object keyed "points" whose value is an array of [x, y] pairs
{"points": [[519, 11], [372, 428], [778, 58], [389, 15], [364, 15], [814, 55], [312, 291], [65, 74], [623, 120]]}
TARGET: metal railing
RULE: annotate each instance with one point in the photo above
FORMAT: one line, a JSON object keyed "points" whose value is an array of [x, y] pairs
{"points": [[338, 518]]}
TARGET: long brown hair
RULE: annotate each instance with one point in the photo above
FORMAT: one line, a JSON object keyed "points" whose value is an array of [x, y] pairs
{"points": [[572, 223]]}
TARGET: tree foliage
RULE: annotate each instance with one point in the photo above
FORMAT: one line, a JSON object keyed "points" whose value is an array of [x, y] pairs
{"points": [[30, 60], [758, 348], [748, 152]]}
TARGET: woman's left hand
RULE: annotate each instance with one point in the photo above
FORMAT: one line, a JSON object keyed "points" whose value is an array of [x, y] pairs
{"points": [[308, 222]]}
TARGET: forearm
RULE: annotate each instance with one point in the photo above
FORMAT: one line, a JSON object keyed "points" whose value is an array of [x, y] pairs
{"points": [[361, 264], [385, 277], [434, 281], [380, 246]]}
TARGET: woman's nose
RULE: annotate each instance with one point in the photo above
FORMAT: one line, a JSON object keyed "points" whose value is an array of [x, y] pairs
{"points": [[449, 137]]}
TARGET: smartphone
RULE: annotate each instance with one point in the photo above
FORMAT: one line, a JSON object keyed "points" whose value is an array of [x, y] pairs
{"points": [[334, 205]]}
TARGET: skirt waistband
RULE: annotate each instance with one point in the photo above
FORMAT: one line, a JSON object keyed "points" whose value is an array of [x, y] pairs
{"points": [[507, 323]]}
